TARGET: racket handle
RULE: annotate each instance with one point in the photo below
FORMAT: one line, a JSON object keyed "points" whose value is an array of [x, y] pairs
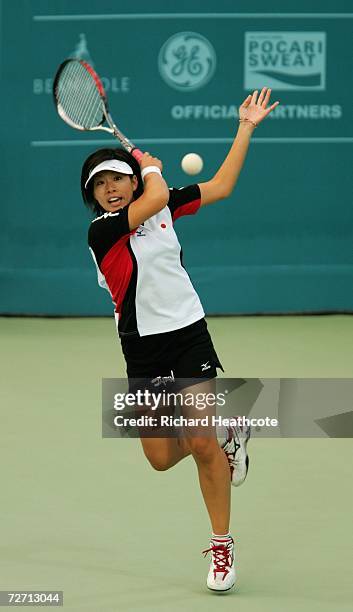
{"points": [[137, 154]]}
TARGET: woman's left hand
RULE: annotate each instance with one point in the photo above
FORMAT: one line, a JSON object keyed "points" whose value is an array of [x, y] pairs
{"points": [[255, 109]]}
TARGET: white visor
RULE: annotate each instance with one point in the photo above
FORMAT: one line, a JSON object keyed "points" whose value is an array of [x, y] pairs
{"points": [[115, 165]]}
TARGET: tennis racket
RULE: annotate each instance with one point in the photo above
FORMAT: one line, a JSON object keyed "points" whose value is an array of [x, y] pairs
{"points": [[82, 103]]}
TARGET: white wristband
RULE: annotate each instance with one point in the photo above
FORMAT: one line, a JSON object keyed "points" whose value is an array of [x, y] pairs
{"points": [[150, 169]]}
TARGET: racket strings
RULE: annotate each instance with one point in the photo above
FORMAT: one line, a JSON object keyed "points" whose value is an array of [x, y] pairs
{"points": [[74, 89], [78, 96], [81, 98], [91, 98], [84, 104]]}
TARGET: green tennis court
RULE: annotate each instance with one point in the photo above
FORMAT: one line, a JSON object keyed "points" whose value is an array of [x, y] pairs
{"points": [[88, 515]]}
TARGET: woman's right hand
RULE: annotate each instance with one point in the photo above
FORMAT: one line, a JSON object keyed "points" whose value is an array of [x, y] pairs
{"points": [[155, 194], [149, 160]]}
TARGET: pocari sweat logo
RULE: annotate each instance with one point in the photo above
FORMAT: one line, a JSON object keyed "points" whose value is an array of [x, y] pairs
{"points": [[285, 60], [187, 61]]}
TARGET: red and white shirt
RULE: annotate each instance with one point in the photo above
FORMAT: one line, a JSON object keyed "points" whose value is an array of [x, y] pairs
{"points": [[142, 269]]}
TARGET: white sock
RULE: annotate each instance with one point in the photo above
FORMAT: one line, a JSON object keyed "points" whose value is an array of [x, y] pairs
{"points": [[225, 536]]}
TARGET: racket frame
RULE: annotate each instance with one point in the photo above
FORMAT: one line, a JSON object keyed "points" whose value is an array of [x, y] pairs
{"points": [[112, 129]]}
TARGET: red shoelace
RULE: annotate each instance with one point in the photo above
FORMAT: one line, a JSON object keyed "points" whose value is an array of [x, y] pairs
{"points": [[222, 556]]}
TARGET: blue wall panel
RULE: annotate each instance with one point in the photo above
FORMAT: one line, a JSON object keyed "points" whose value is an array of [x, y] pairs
{"points": [[283, 240]]}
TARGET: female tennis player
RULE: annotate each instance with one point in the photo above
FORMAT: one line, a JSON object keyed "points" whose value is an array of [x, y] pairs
{"points": [[159, 316]]}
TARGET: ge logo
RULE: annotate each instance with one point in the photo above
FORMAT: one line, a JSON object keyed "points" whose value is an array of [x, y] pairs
{"points": [[187, 61]]}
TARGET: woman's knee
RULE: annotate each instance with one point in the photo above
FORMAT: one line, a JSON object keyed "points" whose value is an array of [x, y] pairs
{"points": [[203, 449], [159, 461]]}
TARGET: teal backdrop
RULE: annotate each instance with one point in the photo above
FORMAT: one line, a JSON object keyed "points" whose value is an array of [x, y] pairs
{"points": [[175, 74]]}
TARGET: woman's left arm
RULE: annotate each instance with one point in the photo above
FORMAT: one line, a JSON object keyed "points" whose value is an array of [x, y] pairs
{"points": [[251, 113]]}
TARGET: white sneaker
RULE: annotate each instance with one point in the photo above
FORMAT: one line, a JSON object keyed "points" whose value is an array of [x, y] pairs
{"points": [[235, 449], [221, 576]]}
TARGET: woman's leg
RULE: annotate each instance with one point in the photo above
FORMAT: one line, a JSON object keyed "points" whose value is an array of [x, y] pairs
{"points": [[211, 461], [163, 453]]}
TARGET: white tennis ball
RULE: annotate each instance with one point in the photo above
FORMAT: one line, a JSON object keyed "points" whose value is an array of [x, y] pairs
{"points": [[192, 163]]}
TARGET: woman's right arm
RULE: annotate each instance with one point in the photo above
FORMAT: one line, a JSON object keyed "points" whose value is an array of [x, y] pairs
{"points": [[155, 195]]}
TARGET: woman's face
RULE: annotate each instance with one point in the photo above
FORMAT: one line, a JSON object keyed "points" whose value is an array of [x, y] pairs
{"points": [[113, 190]]}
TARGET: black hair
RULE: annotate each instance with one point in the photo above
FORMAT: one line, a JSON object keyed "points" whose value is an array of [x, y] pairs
{"points": [[98, 157]]}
